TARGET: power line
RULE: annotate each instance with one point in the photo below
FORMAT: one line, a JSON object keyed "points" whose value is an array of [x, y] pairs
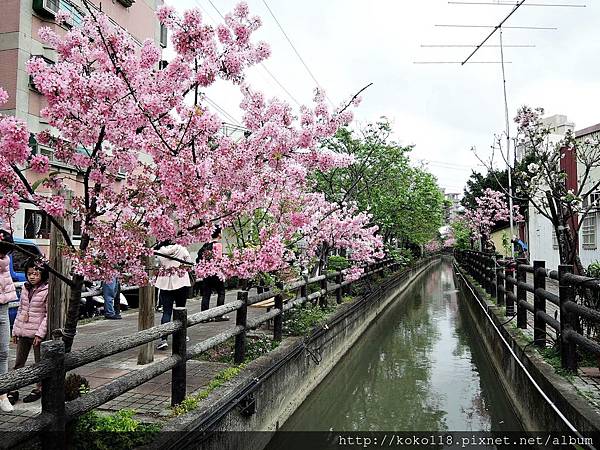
{"points": [[495, 26], [262, 63], [205, 11], [216, 9], [294, 48], [473, 46], [564, 5], [461, 62], [222, 110], [280, 85]]}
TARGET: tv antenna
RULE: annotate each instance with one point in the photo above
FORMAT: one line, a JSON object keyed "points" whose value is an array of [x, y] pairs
{"points": [[498, 29]]}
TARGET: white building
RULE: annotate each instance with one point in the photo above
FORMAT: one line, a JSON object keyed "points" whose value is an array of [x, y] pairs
{"points": [[543, 244]]}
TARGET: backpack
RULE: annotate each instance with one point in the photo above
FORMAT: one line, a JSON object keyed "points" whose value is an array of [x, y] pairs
{"points": [[202, 253]]}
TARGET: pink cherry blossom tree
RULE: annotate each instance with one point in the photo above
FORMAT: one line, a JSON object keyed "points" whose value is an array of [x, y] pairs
{"points": [[113, 112], [491, 209]]}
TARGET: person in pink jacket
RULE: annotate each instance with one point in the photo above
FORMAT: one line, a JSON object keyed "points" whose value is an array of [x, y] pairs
{"points": [[29, 329], [8, 293]]}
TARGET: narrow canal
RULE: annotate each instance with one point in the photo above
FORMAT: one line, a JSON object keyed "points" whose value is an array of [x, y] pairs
{"points": [[420, 367]]}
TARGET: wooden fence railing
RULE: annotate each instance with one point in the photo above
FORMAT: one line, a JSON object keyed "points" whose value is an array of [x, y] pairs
{"points": [[54, 364], [497, 276]]}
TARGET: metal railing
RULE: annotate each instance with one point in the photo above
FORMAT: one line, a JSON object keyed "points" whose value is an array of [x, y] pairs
{"points": [[54, 364], [497, 276]]}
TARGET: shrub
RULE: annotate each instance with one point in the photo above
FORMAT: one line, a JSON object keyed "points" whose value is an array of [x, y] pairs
{"points": [[255, 346], [593, 270], [192, 402], [302, 320], [119, 430], [337, 263], [75, 385]]}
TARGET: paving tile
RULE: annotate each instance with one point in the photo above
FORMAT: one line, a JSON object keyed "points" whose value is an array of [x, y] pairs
{"points": [[110, 373], [154, 395]]}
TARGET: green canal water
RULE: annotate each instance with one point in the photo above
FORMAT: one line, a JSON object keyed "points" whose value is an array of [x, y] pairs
{"points": [[419, 367]]}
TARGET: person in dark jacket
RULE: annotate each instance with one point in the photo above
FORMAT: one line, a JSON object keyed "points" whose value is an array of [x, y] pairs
{"points": [[213, 249]]}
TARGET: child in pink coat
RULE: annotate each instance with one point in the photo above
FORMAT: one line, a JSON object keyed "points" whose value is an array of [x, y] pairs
{"points": [[29, 329]]}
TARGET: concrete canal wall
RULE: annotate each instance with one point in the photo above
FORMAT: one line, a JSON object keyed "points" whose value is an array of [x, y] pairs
{"points": [[533, 409], [272, 387]]}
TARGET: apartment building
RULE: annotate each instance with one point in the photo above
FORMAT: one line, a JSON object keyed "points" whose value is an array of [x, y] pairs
{"points": [[544, 244], [19, 41]]}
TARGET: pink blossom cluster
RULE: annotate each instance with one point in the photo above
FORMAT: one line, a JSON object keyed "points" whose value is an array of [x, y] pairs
{"points": [[491, 209], [115, 112], [450, 242], [332, 226], [433, 246]]}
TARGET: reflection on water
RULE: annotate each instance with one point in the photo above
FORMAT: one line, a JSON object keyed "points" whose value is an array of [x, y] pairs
{"points": [[419, 368]]}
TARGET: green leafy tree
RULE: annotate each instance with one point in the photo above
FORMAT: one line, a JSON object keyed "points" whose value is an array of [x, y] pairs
{"points": [[405, 202], [461, 232]]}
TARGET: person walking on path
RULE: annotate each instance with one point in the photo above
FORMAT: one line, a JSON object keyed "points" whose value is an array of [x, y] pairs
{"points": [[31, 323], [213, 249], [110, 292], [8, 293], [173, 287]]}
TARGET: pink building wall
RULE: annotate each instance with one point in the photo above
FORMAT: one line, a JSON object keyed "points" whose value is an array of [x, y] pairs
{"points": [[8, 76], [139, 19], [8, 58], [10, 16]]}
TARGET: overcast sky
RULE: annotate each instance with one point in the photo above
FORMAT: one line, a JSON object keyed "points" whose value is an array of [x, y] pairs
{"points": [[443, 109]]}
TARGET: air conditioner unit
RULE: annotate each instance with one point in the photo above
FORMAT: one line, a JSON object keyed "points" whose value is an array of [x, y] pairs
{"points": [[46, 8]]}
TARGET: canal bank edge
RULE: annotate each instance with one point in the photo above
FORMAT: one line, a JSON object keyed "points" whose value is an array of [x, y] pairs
{"points": [[533, 410], [277, 383]]}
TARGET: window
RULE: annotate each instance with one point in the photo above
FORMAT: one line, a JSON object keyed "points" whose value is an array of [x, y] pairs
{"points": [[76, 15], [588, 231], [77, 229], [163, 36], [593, 199], [19, 258], [126, 3], [37, 224], [554, 239]]}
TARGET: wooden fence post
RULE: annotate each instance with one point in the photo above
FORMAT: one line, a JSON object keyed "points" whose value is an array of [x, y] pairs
{"points": [[147, 297], [338, 291], [568, 320], [53, 393], [278, 319], [178, 373], [241, 318], [58, 290], [521, 295], [539, 303], [481, 272], [492, 277], [323, 297], [499, 284], [304, 287], [509, 288]]}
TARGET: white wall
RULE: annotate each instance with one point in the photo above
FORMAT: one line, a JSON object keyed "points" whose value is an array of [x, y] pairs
{"points": [[540, 236]]}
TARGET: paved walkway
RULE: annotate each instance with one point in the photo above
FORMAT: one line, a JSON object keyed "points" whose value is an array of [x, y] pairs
{"points": [[151, 398]]}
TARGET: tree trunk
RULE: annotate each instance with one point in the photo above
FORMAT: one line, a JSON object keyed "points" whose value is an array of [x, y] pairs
{"points": [[568, 249], [70, 328], [58, 289]]}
